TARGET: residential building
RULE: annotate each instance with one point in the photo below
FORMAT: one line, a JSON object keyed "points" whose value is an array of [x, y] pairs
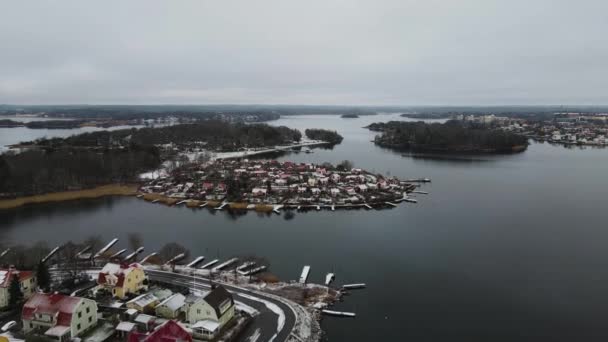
{"points": [[210, 313], [58, 317], [27, 282], [169, 331], [171, 307], [146, 302], [122, 279]]}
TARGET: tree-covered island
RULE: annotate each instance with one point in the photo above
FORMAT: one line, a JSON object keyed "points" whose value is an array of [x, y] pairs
{"points": [[449, 137]]}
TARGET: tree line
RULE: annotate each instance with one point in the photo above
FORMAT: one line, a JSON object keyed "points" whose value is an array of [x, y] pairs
{"points": [[452, 136]]}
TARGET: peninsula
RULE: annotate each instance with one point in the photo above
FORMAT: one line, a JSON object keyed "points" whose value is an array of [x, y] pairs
{"points": [[267, 185]]}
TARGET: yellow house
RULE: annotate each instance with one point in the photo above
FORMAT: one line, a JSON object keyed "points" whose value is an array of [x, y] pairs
{"points": [[122, 279], [209, 314], [27, 280]]}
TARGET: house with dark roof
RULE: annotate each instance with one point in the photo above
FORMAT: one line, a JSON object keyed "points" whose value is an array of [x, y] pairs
{"points": [[209, 314], [27, 282], [122, 279], [58, 317]]}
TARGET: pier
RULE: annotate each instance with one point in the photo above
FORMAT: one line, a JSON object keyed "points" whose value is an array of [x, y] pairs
{"points": [[338, 313], [225, 264], [210, 263], [196, 261], [304, 275], [329, 278], [222, 206], [353, 286]]}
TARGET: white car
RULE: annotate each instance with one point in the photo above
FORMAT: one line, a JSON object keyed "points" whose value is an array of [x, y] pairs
{"points": [[8, 326]]}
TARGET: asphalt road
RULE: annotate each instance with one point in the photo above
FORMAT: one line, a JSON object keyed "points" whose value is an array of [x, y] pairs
{"points": [[265, 326]]}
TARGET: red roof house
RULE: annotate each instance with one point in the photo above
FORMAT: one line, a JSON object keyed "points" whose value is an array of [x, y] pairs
{"points": [[168, 332]]}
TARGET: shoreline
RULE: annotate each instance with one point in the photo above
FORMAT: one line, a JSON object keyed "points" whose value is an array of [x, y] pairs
{"points": [[97, 192]]}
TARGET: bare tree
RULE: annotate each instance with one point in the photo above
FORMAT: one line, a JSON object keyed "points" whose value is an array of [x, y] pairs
{"points": [[135, 240]]}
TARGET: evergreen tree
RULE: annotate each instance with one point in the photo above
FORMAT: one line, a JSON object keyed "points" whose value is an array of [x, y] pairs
{"points": [[14, 292], [43, 276]]}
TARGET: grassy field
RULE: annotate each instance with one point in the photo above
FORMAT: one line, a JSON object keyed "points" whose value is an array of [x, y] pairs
{"points": [[106, 190]]}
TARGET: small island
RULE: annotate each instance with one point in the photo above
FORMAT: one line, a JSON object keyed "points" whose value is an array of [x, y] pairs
{"points": [[349, 116], [449, 137], [331, 137]]}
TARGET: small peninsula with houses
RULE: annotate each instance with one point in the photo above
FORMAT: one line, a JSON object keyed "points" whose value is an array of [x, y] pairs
{"points": [[269, 185]]}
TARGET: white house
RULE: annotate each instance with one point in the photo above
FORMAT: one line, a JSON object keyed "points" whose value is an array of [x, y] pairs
{"points": [[58, 317], [27, 282]]}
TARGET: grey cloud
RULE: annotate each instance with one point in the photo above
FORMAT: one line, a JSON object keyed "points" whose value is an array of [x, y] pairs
{"points": [[309, 52]]}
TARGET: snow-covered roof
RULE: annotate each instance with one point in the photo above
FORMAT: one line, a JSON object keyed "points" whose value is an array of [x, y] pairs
{"points": [[58, 330], [143, 300], [207, 325], [145, 319], [125, 326], [131, 312], [174, 302]]}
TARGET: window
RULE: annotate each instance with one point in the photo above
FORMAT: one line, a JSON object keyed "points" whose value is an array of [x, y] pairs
{"points": [[198, 311], [88, 310], [79, 316], [78, 326], [90, 319]]}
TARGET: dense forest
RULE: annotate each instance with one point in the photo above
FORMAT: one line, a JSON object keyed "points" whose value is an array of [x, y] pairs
{"points": [[452, 136], [50, 170], [218, 135], [97, 158], [323, 134]]}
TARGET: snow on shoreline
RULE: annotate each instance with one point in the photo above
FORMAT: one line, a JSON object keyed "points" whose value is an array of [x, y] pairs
{"points": [[192, 156]]}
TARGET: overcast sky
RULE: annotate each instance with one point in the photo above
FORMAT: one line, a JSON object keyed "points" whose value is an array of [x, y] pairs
{"points": [[402, 52]]}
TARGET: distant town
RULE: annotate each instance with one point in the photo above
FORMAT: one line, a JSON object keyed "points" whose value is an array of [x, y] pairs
{"points": [[589, 129]]}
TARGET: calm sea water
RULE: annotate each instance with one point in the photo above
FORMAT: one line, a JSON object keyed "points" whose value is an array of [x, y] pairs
{"points": [[505, 248]]}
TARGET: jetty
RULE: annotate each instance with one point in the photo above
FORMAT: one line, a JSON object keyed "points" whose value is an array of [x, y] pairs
{"points": [[338, 313], [196, 261], [353, 286], [418, 180], [391, 204], [329, 278], [117, 254], [182, 202], [203, 205], [252, 271], [304, 275], [148, 257], [222, 206], [225, 264], [106, 248], [420, 192], [277, 208], [210, 263]]}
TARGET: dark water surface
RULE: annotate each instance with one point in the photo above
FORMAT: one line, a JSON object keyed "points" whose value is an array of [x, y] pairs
{"points": [[505, 248]]}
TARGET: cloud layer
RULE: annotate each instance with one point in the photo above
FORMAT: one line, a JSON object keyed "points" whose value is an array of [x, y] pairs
{"points": [[304, 52]]}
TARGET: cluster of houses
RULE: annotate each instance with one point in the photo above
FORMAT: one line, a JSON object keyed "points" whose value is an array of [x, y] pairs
{"points": [[137, 312], [275, 182]]}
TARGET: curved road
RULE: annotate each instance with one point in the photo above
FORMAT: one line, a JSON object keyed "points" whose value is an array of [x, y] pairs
{"points": [[265, 326]]}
